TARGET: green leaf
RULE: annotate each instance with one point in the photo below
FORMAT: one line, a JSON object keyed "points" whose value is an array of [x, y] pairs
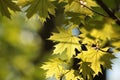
{"points": [[51, 8], [85, 70], [71, 76], [55, 67], [5, 5], [23, 2], [66, 41], [75, 6], [75, 18], [70, 1], [97, 58], [107, 32], [67, 1], [106, 59], [42, 8]]}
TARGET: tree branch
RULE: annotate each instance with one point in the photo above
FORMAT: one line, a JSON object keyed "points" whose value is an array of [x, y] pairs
{"points": [[108, 11], [83, 4], [95, 11]]}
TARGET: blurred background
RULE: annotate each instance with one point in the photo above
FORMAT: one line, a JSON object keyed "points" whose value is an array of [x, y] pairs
{"points": [[22, 48]]}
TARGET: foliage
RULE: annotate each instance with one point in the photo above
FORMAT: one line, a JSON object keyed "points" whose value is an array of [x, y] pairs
{"points": [[42, 8], [66, 41], [5, 5], [85, 39], [18, 48]]}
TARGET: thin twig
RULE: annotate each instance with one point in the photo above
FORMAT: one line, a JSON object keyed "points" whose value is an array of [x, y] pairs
{"points": [[91, 9], [108, 11], [95, 11]]}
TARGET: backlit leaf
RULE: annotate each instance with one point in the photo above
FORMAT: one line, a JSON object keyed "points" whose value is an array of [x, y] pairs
{"points": [[42, 8], [55, 67], [97, 58], [23, 2], [75, 6], [5, 5], [66, 41], [71, 76], [85, 70]]}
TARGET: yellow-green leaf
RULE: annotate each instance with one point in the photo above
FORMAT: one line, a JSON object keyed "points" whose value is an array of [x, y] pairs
{"points": [[71, 76], [97, 58], [75, 6], [42, 8], [55, 67], [23, 2], [5, 5], [66, 41]]}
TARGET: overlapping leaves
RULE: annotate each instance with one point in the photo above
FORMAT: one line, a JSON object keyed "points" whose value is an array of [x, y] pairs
{"points": [[75, 6], [42, 8], [66, 41], [92, 58], [23, 2], [71, 76], [6, 6], [85, 70], [97, 58], [55, 68]]}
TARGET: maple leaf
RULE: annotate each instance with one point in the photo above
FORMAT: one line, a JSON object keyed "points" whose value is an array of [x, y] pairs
{"points": [[71, 76], [42, 8], [107, 32], [106, 59], [75, 18], [5, 5], [66, 41], [55, 67], [97, 58], [86, 71], [75, 6]]}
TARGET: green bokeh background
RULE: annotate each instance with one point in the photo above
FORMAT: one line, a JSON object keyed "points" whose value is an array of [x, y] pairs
{"points": [[20, 46]]}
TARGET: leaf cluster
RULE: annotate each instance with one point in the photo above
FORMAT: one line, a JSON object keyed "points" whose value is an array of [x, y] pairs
{"points": [[85, 59], [84, 42]]}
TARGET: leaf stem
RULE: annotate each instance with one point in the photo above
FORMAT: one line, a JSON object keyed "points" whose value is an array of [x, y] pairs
{"points": [[95, 11], [91, 9]]}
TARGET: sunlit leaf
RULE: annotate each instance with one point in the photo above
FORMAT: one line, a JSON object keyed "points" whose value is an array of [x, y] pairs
{"points": [[71, 76], [67, 1], [55, 67], [66, 41], [97, 58], [23, 2], [75, 6]]}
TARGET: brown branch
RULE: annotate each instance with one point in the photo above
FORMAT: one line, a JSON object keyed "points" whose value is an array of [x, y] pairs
{"points": [[108, 11]]}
